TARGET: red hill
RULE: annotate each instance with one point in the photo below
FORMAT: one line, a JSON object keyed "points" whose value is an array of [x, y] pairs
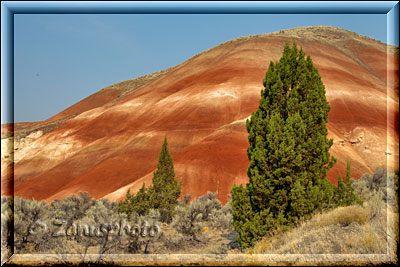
{"points": [[110, 141]]}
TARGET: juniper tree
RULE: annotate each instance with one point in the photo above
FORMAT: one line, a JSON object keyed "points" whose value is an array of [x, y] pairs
{"points": [[162, 195], [165, 190], [345, 194], [289, 150], [135, 204]]}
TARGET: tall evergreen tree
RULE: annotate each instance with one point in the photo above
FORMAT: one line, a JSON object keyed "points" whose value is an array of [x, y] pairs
{"points": [[289, 150], [163, 194], [165, 190]]}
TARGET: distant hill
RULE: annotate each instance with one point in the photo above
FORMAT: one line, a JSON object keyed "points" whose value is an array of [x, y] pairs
{"points": [[110, 141]]}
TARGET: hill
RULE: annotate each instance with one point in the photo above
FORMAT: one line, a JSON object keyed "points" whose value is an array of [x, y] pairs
{"points": [[110, 141]]}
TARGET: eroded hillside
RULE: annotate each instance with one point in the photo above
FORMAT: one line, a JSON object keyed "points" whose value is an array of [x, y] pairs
{"points": [[110, 141]]}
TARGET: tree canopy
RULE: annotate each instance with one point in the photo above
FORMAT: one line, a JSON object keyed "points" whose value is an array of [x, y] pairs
{"points": [[289, 150]]}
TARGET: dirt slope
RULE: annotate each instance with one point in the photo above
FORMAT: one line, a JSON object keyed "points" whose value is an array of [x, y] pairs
{"points": [[110, 141]]}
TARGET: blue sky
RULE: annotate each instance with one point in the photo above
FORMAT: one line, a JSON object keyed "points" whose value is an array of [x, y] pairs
{"points": [[60, 59]]}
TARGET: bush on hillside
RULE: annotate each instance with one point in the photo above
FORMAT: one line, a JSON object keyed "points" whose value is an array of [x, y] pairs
{"points": [[79, 224], [380, 181], [204, 211], [7, 226], [345, 194], [30, 221]]}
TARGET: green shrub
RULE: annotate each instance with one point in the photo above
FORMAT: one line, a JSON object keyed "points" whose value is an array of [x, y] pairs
{"points": [[345, 194], [138, 204]]}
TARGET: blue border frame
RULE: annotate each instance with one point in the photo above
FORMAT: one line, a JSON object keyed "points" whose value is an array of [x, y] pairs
{"points": [[206, 7]]}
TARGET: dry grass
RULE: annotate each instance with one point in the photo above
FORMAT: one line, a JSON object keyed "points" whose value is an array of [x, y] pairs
{"points": [[343, 216], [345, 230]]}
